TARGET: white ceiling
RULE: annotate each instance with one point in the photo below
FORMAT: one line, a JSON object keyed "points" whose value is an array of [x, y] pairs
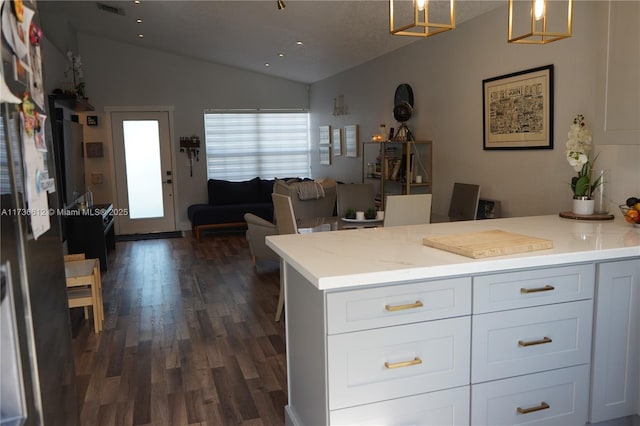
{"points": [[337, 35]]}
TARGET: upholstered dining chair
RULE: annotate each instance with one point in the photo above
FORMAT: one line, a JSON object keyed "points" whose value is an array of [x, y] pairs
{"points": [[356, 196], [283, 213], [257, 229], [464, 202], [413, 209], [286, 223]]}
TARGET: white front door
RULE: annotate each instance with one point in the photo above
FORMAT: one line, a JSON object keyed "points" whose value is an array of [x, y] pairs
{"points": [[144, 176]]}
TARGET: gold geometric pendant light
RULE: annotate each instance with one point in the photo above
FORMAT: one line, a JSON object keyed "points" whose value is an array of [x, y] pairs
{"points": [[415, 16], [547, 19]]}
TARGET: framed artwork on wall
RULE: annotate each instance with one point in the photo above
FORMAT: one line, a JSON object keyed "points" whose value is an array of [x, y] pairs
{"points": [[325, 135], [337, 141], [325, 155], [351, 140], [517, 110], [94, 150]]}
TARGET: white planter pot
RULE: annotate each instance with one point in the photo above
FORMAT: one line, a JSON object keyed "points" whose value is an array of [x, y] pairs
{"points": [[583, 206]]}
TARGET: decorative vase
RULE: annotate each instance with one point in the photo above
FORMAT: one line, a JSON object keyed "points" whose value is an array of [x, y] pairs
{"points": [[600, 194], [583, 206]]}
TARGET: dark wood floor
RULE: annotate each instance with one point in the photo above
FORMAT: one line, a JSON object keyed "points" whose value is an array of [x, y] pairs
{"points": [[189, 337]]}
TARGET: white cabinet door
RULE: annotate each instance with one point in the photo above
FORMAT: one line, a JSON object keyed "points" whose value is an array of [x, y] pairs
{"points": [[393, 362], [523, 341], [397, 304], [537, 287], [615, 377], [552, 398], [449, 407]]}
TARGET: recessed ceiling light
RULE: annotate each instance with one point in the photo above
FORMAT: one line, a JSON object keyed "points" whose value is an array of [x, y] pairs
{"points": [[267, 64], [139, 21], [140, 35], [299, 43], [137, 1], [281, 55]]}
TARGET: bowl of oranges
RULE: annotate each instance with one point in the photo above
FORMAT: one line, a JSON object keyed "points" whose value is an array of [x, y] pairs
{"points": [[631, 211]]}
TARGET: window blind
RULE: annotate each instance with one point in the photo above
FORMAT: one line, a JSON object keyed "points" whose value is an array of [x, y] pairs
{"points": [[243, 145]]}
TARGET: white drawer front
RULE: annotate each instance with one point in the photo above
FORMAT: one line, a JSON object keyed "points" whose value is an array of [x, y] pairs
{"points": [[419, 358], [523, 289], [553, 398], [530, 340], [443, 408], [398, 304]]}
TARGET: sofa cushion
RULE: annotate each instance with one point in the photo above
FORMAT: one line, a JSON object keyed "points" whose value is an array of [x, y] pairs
{"points": [[224, 192], [265, 188], [205, 214]]}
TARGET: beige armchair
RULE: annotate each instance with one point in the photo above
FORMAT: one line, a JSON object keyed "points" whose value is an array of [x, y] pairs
{"points": [[257, 230], [305, 208]]}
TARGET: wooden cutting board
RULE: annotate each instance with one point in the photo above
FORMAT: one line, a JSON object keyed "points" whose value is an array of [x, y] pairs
{"points": [[479, 245]]}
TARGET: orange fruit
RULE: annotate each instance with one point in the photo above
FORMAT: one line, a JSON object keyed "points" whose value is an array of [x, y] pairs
{"points": [[632, 216]]}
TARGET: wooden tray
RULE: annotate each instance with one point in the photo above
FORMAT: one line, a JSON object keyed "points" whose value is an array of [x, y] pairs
{"points": [[572, 215], [479, 245]]}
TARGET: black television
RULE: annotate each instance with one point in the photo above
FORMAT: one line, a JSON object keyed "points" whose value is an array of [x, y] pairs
{"points": [[70, 152]]}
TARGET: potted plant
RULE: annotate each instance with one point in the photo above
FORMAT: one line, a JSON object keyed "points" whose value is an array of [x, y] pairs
{"points": [[350, 214], [370, 213], [579, 157]]}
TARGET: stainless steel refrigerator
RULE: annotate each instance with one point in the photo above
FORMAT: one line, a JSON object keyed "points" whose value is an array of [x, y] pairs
{"points": [[37, 375]]}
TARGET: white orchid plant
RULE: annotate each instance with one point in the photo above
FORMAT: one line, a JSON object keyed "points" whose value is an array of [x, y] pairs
{"points": [[579, 157]]}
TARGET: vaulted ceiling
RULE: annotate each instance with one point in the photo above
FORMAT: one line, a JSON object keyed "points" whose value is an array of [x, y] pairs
{"points": [[335, 35]]}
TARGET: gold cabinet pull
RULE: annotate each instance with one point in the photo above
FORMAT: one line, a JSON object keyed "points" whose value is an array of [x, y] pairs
{"points": [[543, 406], [535, 342], [414, 361], [392, 308], [537, 289]]}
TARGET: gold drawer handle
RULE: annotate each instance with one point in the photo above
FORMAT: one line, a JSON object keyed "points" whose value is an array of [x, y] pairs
{"points": [[414, 361], [392, 308], [537, 290], [543, 406], [535, 342]]}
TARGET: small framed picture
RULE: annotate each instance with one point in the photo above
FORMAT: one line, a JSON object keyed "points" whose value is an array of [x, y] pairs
{"points": [[325, 135], [92, 120], [351, 140], [94, 150], [325, 155], [337, 141]]}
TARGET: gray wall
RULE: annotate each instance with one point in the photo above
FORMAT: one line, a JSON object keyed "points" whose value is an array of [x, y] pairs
{"points": [[446, 73]]}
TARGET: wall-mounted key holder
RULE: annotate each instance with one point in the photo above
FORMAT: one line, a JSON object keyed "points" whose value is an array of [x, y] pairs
{"points": [[190, 145]]}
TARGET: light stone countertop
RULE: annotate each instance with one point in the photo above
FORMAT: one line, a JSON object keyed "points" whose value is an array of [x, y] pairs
{"points": [[340, 259]]}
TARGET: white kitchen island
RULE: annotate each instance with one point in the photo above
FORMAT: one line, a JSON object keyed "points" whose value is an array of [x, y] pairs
{"points": [[384, 330]]}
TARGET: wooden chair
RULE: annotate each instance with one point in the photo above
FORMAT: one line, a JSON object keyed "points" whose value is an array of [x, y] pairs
{"points": [[84, 287], [464, 202], [414, 209], [286, 223], [356, 196], [73, 257]]}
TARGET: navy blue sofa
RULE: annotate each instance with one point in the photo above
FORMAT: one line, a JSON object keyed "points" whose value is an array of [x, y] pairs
{"points": [[229, 201]]}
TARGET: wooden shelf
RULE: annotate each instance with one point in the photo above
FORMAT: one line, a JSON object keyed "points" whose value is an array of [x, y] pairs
{"points": [[73, 102], [399, 153]]}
